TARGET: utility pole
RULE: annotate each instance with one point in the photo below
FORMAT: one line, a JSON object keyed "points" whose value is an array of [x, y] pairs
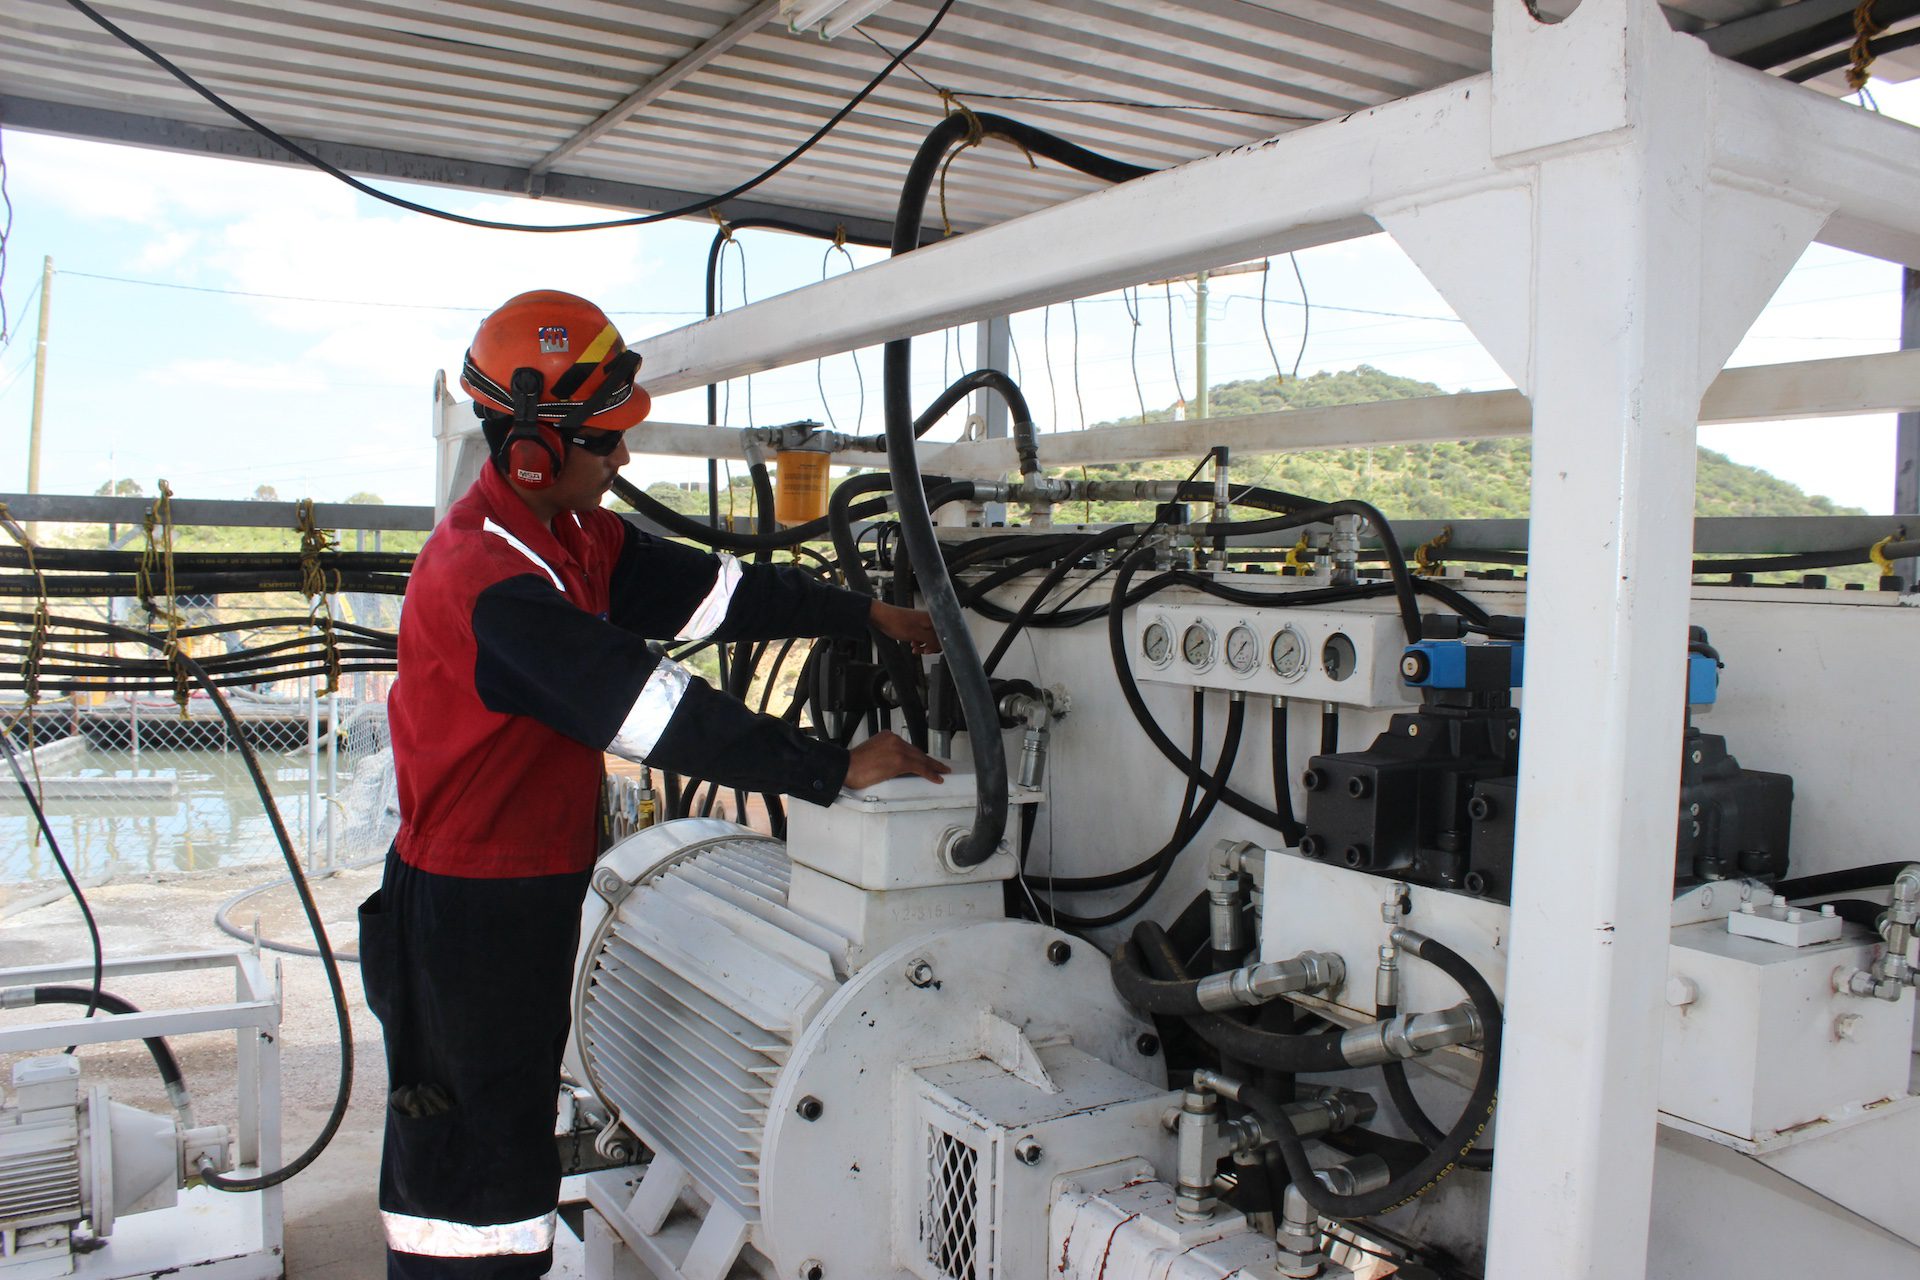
{"points": [[39, 381], [1200, 341], [1906, 475]]}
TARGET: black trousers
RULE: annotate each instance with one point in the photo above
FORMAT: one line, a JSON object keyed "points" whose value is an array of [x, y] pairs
{"points": [[471, 981]]}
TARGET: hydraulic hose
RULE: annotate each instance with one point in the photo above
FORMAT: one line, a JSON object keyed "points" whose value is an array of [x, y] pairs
{"points": [[1289, 827], [900, 666], [708, 535], [1400, 1091], [344, 1091], [1087, 546], [162, 1053], [1852, 880]]}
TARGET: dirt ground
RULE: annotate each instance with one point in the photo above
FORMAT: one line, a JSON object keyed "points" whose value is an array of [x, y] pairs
{"points": [[332, 1227]]}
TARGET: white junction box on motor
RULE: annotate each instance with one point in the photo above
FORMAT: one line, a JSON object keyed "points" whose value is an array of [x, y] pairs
{"points": [[1328, 655], [1758, 1043]]}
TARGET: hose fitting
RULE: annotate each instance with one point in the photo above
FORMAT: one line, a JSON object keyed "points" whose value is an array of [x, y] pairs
{"points": [[1409, 1035], [1257, 984]]}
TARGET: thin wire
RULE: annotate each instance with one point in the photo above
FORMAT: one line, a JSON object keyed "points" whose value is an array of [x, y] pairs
{"points": [[1138, 106], [7, 340], [1073, 309], [6, 234], [1266, 332], [1173, 351], [860, 378], [1306, 313], [1133, 349], [698, 206], [336, 302], [1046, 355]]}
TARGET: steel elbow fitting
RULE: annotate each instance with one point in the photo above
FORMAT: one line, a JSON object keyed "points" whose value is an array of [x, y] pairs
{"points": [[1411, 1034]]}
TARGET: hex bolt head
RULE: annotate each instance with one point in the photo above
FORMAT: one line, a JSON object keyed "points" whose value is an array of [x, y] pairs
{"points": [[1147, 1045], [1827, 911], [920, 971], [1027, 1151], [809, 1108], [1058, 952]]}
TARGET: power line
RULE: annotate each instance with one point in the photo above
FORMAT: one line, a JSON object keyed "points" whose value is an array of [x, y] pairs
{"points": [[339, 302]]}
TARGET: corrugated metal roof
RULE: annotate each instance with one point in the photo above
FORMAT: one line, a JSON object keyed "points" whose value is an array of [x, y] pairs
{"points": [[480, 92]]}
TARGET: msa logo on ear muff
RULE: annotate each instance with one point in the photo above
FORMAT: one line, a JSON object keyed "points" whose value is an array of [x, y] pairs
{"points": [[534, 449]]}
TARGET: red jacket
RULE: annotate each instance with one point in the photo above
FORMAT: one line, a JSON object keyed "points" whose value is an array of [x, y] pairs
{"points": [[523, 656]]}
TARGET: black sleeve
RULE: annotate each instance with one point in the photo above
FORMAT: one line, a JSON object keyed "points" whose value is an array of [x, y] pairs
{"points": [[539, 655], [668, 591]]}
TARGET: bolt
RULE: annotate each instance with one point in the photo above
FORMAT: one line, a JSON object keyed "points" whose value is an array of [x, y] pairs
{"points": [[1058, 952], [1826, 911], [1027, 1151], [1746, 908], [1147, 1045], [1413, 731], [1681, 991], [1794, 917], [1845, 1026], [811, 1269], [1694, 811], [608, 880], [920, 971], [1696, 757], [1512, 734], [809, 1108]]}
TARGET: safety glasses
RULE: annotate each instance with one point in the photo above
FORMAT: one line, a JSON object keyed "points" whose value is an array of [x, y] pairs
{"points": [[598, 443]]}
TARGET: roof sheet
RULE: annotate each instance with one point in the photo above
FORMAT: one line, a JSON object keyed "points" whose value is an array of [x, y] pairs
{"points": [[527, 94]]}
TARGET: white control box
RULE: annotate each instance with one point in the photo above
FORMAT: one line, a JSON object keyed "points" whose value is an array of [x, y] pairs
{"points": [[1325, 655]]}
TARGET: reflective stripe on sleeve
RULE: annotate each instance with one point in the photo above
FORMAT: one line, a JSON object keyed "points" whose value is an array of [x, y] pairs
{"points": [[439, 1238], [647, 720], [713, 610]]}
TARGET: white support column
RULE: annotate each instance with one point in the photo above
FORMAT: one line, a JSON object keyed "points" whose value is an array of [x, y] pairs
{"points": [[1603, 282]]}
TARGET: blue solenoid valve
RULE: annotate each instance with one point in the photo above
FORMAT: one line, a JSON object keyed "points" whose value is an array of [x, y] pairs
{"points": [[1500, 664]]}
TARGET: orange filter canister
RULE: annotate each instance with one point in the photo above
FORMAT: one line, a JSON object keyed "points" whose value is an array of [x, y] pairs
{"points": [[800, 485]]}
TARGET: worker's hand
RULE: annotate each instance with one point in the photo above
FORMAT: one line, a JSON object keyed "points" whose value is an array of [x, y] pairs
{"points": [[910, 627], [888, 755]]}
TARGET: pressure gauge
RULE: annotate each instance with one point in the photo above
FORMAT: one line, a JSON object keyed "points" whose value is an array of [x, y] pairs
{"points": [[1288, 653], [1196, 645], [1156, 643], [1243, 649]]}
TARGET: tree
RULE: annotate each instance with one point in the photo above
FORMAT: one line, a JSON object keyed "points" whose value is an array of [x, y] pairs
{"points": [[364, 499], [266, 493], [125, 488]]}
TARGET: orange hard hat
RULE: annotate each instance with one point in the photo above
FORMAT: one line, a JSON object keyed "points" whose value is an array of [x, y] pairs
{"points": [[573, 348]]}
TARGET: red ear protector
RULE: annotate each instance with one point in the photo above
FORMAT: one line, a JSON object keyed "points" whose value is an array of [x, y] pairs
{"points": [[533, 449]]}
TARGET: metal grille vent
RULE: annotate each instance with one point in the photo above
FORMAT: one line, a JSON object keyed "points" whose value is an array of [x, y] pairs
{"points": [[683, 1044], [950, 1223]]}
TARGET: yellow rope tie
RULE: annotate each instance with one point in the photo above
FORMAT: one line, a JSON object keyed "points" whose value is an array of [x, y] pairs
{"points": [[1426, 559], [160, 516], [1878, 554], [726, 228], [37, 643], [840, 235], [1865, 30], [1297, 560], [315, 542]]}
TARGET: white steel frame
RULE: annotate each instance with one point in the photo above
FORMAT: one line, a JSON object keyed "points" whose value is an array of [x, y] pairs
{"points": [[1607, 209], [206, 1234]]}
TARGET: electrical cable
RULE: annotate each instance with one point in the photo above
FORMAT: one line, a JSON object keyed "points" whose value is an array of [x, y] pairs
{"points": [[66, 872], [696, 206], [237, 732]]}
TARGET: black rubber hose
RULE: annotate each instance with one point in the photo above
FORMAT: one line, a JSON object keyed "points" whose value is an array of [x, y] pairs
{"points": [[1087, 546], [902, 670], [1130, 690], [1442, 1161], [1390, 547], [1290, 828], [1329, 728], [1400, 1091], [1851, 880], [163, 1059], [237, 732], [1149, 955]]}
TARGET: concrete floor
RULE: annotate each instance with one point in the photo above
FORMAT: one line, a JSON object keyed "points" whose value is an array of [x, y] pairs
{"points": [[332, 1227]]}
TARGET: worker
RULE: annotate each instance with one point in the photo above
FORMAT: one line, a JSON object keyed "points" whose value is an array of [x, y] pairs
{"points": [[524, 656]]}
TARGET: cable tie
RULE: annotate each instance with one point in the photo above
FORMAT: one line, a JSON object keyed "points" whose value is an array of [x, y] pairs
{"points": [[1878, 554]]}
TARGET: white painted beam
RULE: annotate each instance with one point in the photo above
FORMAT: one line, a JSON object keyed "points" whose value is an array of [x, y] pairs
{"points": [[1315, 186]]}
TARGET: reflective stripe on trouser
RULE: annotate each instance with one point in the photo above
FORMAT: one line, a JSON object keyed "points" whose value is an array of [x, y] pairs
{"points": [[471, 980], [443, 1239]]}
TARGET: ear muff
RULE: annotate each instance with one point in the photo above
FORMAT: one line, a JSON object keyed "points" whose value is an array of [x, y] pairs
{"points": [[534, 451]]}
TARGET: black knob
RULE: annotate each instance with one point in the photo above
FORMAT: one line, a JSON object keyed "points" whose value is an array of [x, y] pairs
{"points": [[809, 1108], [1147, 1045], [1059, 952]]}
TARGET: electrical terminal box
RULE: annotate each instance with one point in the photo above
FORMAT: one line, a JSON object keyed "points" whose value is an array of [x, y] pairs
{"points": [[1350, 657]]}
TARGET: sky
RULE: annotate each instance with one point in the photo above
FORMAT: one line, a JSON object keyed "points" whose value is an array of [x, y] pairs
{"points": [[225, 325]]}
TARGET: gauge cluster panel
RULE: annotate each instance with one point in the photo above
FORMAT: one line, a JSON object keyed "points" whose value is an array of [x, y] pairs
{"points": [[1323, 655]]}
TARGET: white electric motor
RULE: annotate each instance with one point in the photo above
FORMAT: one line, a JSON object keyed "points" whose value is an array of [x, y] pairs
{"points": [[70, 1156], [847, 1062]]}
